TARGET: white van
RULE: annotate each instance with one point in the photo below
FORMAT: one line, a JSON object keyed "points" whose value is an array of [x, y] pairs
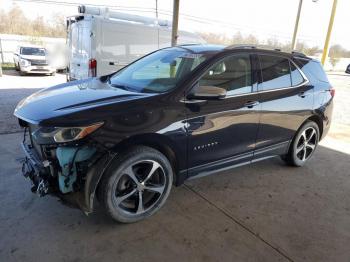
{"points": [[101, 42]]}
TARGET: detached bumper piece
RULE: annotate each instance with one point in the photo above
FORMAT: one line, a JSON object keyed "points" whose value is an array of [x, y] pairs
{"points": [[35, 170]]}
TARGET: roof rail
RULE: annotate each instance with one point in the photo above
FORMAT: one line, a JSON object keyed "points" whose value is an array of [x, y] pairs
{"points": [[296, 53], [240, 46], [253, 47], [189, 44]]}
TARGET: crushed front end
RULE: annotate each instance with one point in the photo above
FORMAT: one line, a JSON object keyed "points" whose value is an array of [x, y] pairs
{"points": [[63, 164]]}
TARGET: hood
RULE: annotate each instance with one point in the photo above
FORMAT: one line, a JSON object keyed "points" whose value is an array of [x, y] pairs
{"points": [[34, 57], [70, 98]]}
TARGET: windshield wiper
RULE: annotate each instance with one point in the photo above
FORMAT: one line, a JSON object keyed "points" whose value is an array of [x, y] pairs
{"points": [[120, 86], [124, 87]]}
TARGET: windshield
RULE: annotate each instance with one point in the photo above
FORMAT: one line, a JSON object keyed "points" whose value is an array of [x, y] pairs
{"points": [[158, 72], [33, 51]]}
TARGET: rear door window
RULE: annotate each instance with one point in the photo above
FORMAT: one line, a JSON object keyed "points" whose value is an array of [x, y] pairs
{"points": [[275, 72]]}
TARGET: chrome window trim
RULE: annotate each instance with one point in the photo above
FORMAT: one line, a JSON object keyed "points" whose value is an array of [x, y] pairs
{"points": [[252, 93], [284, 88]]}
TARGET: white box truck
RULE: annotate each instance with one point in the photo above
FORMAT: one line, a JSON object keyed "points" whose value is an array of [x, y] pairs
{"points": [[101, 41]]}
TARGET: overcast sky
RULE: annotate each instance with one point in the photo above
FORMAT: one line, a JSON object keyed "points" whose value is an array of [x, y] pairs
{"points": [[263, 18]]}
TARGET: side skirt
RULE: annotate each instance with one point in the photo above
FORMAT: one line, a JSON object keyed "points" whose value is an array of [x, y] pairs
{"points": [[237, 161]]}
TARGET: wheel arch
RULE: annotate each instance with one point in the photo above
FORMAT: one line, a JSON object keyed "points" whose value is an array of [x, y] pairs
{"points": [[157, 141], [314, 118], [318, 120]]}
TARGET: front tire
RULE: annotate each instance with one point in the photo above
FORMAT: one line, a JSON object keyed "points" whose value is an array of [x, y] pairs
{"points": [[303, 145], [136, 185]]}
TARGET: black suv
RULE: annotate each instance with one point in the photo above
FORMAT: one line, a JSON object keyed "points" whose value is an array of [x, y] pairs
{"points": [[174, 114]]}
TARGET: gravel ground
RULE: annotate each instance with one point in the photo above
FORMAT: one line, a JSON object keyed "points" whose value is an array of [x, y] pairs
{"points": [[13, 88]]}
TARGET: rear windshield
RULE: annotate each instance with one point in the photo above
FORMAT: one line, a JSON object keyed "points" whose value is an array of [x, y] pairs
{"points": [[33, 51], [312, 69]]}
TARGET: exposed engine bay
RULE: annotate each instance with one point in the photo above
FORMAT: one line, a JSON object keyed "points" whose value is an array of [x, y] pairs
{"points": [[59, 169]]}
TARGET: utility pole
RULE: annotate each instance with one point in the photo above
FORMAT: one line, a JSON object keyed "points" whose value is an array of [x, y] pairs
{"points": [[174, 34], [329, 32], [296, 26]]}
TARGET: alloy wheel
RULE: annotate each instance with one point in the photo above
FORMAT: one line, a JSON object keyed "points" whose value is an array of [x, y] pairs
{"points": [[140, 187], [306, 144]]}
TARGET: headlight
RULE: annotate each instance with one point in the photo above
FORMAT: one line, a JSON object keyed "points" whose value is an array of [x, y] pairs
{"points": [[48, 135], [24, 62]]}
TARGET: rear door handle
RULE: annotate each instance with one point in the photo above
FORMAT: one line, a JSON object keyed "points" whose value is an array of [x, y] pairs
{"points": [[251, 104], [303, 94]]}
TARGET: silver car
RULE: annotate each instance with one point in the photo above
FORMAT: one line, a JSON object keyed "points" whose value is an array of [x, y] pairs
{"points": [[32, 60]]}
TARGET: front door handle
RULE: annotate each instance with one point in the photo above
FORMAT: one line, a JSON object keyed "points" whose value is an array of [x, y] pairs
{"points": [[251, 104]]}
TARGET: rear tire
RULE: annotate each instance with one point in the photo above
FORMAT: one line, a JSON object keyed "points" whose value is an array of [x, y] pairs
{"points": [[303, 145], [136, 185]]}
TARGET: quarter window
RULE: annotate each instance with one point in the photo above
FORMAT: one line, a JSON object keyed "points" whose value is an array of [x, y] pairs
{"points": [[297, 78], [233, 74], [275, 72]]}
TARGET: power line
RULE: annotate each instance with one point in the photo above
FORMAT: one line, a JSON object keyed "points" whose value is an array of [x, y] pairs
{"points": [[156, 11], [141, 9]]}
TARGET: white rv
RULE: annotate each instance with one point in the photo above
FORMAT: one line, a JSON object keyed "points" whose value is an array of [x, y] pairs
{"points": [[101, 42]]}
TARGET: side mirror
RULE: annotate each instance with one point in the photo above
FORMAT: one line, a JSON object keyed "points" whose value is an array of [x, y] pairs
{"points": [[207, 92]]}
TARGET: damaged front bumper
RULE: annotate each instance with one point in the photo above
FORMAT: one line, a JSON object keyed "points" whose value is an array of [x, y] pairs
{"points": [[35, 170], [46, 179]]}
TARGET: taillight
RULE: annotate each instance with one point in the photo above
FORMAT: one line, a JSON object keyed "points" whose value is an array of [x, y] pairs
{"points": [[92, 67], [332, 91]]}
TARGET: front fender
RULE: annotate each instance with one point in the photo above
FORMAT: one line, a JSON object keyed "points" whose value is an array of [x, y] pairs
{"points": [[93, 177]]}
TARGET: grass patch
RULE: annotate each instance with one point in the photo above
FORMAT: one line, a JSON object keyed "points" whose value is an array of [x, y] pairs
{"points": [[8, 66]]}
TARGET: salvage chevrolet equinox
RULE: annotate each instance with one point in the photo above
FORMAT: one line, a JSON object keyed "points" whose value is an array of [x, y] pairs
{"points": [[175, 114]]}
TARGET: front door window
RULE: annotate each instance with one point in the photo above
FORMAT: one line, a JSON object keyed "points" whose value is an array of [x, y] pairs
{"points": [[232, 74]]}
